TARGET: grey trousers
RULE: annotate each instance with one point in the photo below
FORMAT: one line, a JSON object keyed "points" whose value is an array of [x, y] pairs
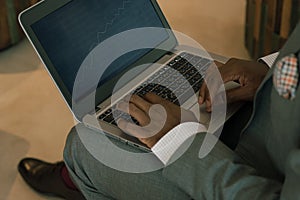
{"points": [[97, 181]]}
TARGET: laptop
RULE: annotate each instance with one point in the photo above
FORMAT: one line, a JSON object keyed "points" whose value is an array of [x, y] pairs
{"points": [[64, 33]]}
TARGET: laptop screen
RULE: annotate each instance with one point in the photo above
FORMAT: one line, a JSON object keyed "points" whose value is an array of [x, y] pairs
{"points": [[70, 33]]}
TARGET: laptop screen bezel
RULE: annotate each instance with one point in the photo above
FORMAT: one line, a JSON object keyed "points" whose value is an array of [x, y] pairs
{"points": [[30, 16]]}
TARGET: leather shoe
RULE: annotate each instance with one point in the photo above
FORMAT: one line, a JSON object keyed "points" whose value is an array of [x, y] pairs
{"points": [[46, 178]]}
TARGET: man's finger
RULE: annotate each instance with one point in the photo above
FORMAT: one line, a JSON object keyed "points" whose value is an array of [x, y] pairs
{"points": [[154, 99], [141, 103], [123, 106], [130, 128], [208, 100], [202, 93], [135, 130], [130, 108]]}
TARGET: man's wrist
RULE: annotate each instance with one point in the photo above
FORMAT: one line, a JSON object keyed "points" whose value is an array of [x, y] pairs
{"points": [[168, 144]]}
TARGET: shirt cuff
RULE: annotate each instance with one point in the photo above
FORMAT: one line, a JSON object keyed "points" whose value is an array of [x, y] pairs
{"points": [[270, 59], [167, 145]]}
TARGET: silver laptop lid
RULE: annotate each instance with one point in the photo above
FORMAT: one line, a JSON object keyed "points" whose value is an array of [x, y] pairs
{"points": [[64, 32]]}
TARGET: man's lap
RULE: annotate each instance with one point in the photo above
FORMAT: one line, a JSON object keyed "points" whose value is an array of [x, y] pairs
{"points": [[97, 181]]}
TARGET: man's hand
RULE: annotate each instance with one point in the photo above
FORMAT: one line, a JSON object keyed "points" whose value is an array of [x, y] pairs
{"points": [[155, 115], [249, 74]]}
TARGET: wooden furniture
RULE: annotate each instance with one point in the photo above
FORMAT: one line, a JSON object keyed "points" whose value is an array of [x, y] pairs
{"points": [[10, 31], [269, 24]]}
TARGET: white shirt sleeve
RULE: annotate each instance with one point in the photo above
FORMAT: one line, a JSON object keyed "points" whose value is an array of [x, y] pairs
{"points": [[167, 145], [270, 59]]}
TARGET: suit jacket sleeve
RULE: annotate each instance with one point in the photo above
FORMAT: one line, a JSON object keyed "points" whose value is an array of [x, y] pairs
{"points": [[224, 175]]}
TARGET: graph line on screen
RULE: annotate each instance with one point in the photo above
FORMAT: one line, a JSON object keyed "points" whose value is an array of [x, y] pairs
{"points": [[111, 22]]}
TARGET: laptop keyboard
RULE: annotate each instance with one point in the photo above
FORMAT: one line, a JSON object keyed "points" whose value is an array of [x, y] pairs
{"points": [[167, 82]]}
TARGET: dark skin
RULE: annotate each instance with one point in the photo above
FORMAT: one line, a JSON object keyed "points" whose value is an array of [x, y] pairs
{"points": [[158, 116], [249, 74]]}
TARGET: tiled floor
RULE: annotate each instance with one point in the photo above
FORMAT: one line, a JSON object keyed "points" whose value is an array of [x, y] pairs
{"points": [[34, 119]]}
